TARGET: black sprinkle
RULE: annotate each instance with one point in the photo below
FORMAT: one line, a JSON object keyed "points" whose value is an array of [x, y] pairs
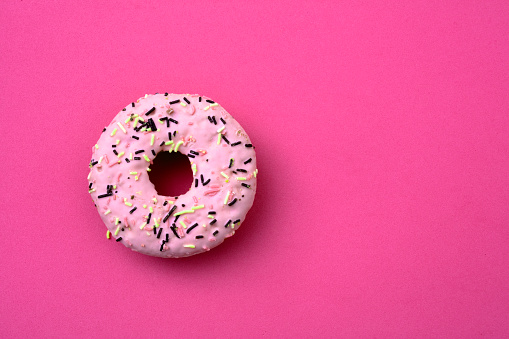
{"points": [[195, 153], [199, 99], [152, 124], [174, 133], [185, 99], [169, 213], [165, 203], [222, 120], [148, 219], [161, 248], [231, 163], [213, 222], [90, 185], [174, 102], [139, 151], [236, 143], [167, 237], [154, 152], [172, 120], [206, 182], [104, 129], [236, 221], [127, 160], [232, 202], [113, 145], [135, 137], [166, 94], [183, 205], [104, 195], [212, 212], [228, 223], [210, 101], [190, 228], [195, 182], [201, 177], [176, 218], [132, 104], [214, 120], [150, 111], [131, 211], [246, 185], [174, 230], [210, 119], [241, 170], [215, 233], [162, 143], [137, 158], [159, 233], [247, 161], [228, 142], [94, 163], [249, 145], [123, 109], [155, 230], [169, 135], [199, 236], [118, 239], [190, 156], [115, 151]]}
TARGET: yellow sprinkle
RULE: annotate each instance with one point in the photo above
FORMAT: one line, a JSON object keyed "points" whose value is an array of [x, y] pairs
{"points": [[108, 234], [136, 122], [89, 174], [255, 173], [117, 142], [182, 223], [156, 223], [183, 212], [114, 131], [221, 129], [92, 190], [130, 156], [148, 233], [148, 169], [206, 108], [128, 203], [117, 230], [198, 207], [178, 145], [121, 127], [218, 138], [189, 246], [227, 196], [161, 121], [155, 200], [210, 216], [143, 129], [151, 209], [152, 140], [241, 178], [171, 149], [120, 154], [142, 225], [141, 119], [224, 175], [144, 206], [133, 173], [169, 142], [146, 95], [116, 221], [193, 166], [146, 158], [136, 178], [115, 186], [183, 104], [127, 120], [214, 104], [96, 146]]}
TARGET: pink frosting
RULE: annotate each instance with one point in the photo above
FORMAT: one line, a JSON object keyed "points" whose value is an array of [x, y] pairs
{"points": [[120, 195]]}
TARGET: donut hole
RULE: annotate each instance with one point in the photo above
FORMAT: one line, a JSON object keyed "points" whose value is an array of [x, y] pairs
{"points": [[171, 174]]}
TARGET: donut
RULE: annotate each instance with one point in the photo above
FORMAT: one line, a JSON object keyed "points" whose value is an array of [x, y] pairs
{"points": [[223, 163]]}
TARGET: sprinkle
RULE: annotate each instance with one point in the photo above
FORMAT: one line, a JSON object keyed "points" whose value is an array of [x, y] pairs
{"points": [[148, 218], [241, 178], [133, 173], [183, 104], [136, 178], [236, 221], [246, 185], [174, 102], [128, 203], [247, 161], [183, 212], [150, 111], [173, 229], [130, 156], [199, 236], [227, 196], [104, 195], [255, 172], [165, 94], [137, 158], [228, 223], [226, 140], [225, 175], [159, 233], [232, 202], [212, 212], [210, 216], [117, 230], [154, 199], [119, 239], [214, 104], [146, 158], [182, 223], [121, 127], [236, 143], [241, 170], [195, 153], [168, 143], [195, 182], [143, 225], [120, 154], [134, 209], [222, 120], [173, 120], [107, 212], [199, 99], [198, 207], [150, 209], [169, 213], [206, 108], [189, 246], [231, 162], [144, 206], [213, 222], [117, 142], [248, 145], [115, 151], [135, 137], [221, 129], [185, 99], [190, 228], [214, 120], [152, 139], [132, 104], [218, 139], [116, 221], [108, 234], [178, 145], [114, 131], [193, 166], [215, 233]]}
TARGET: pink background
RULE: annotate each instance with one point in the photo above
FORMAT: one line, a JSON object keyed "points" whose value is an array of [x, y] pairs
{"points": [[382, 135]]}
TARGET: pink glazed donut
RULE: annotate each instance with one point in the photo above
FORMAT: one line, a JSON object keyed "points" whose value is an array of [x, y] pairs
{"points": [[222, 158]]}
